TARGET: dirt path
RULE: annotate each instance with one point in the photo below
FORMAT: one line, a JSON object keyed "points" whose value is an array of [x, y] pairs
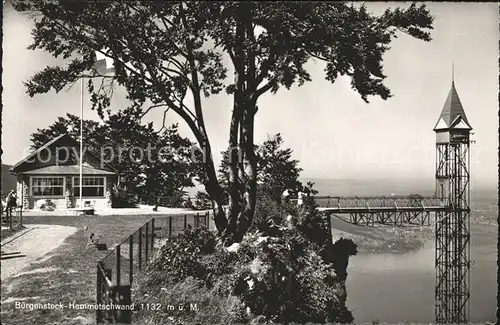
{"points": [[20, 250]]}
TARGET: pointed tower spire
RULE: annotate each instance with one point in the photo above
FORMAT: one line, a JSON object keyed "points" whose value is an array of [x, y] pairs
{"points": [[453, 73], [453, 114]]}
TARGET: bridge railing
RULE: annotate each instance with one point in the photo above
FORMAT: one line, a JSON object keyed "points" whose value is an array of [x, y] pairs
{"points": [[382, 201]]}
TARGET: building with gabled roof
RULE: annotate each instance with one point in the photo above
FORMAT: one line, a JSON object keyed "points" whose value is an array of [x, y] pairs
{"points": [[51, 175]]}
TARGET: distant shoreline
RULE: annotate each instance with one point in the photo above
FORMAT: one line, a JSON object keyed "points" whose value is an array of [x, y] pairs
{"points": [[382, 238], [391, 239]]}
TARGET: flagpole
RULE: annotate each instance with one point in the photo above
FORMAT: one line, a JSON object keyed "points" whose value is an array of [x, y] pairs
{"points": [[81, 143]]}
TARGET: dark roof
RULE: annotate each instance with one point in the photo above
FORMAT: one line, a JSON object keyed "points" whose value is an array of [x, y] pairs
{"points": [[68, 170], [51, 142], [453, 112], [37, 151]]}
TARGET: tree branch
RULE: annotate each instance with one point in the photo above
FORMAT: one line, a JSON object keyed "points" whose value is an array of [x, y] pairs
{"points": [[150, 108], [226, 36], [164, 119], [260, 91], [194, 75], [165, 20]]}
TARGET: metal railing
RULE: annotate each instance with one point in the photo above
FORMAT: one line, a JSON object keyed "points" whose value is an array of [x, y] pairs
{"points": [[115, 272], [382, 201], [12, 218]]}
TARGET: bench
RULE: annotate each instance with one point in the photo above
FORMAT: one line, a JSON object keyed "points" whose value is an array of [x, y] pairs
{"points": [[94, 242], [85, 211]]}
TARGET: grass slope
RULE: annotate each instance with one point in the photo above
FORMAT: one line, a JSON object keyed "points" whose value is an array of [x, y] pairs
{"points": [[67, 274]]}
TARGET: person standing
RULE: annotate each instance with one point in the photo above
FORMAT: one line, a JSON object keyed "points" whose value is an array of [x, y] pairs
{"points": [[300, 199], [11, 202], [285, 197]]}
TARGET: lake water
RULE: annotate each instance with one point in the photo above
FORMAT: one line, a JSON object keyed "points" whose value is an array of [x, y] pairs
{"points": [[396, 288], [399, 288]]}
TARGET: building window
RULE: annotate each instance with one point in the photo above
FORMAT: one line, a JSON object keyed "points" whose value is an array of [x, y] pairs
{"points": [[47, 186], [91, 186]]}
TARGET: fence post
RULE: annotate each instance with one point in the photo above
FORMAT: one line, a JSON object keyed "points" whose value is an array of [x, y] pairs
{"points": [[169, 226], [98, 293], [140, 249], [147, 244], [118, 265], [152, 235], [131, 258], [185, 222], [125, 315]]}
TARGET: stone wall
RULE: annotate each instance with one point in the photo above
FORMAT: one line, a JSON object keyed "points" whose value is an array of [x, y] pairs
{"points": [[23, 191], [108, 192], [68, 192]]}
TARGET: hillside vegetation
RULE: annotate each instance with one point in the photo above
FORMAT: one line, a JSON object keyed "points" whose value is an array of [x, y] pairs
{"points": [[8, 180]]}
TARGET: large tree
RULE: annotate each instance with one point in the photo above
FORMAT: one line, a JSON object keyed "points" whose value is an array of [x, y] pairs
{"points": [[164, 51], [144, 174], [276, 170]]}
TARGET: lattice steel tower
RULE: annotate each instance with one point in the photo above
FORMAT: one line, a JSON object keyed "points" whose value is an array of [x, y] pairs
{"points": [[453, 224]]}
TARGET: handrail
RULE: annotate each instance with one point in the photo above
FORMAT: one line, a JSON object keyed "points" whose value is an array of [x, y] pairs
{"points": [[144, 248], [108, 282]]}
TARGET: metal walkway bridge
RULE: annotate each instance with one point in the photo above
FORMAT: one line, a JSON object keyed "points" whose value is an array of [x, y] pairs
{"points": [[389, 210]]}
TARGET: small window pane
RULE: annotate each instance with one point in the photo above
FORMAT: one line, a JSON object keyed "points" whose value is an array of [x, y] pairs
{"points": [[57, 191], [92, 187], [48, 186]]}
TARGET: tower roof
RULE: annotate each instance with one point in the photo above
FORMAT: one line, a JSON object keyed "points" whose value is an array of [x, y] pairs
{"points": [[453, 114]]}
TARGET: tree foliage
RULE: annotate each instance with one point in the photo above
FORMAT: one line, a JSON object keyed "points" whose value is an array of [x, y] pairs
{"points": [[276, 169], [164, 51]]}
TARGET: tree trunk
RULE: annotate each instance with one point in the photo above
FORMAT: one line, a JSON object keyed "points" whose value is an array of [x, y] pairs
{"points": [[234, 181], [248, 168], [234, 154], [213, 188]]}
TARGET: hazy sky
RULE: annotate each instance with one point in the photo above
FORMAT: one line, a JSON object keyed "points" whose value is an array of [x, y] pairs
{"points": [[332, 131]]}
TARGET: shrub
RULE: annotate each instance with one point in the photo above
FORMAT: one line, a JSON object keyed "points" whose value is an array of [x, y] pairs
{"points": [[187, 204], [313, 225], [180, 257], [203, 201], [295, 275], [269, 215], [121, 199], [189, 302], [289, 280], [48, 205], [174, 200]]}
